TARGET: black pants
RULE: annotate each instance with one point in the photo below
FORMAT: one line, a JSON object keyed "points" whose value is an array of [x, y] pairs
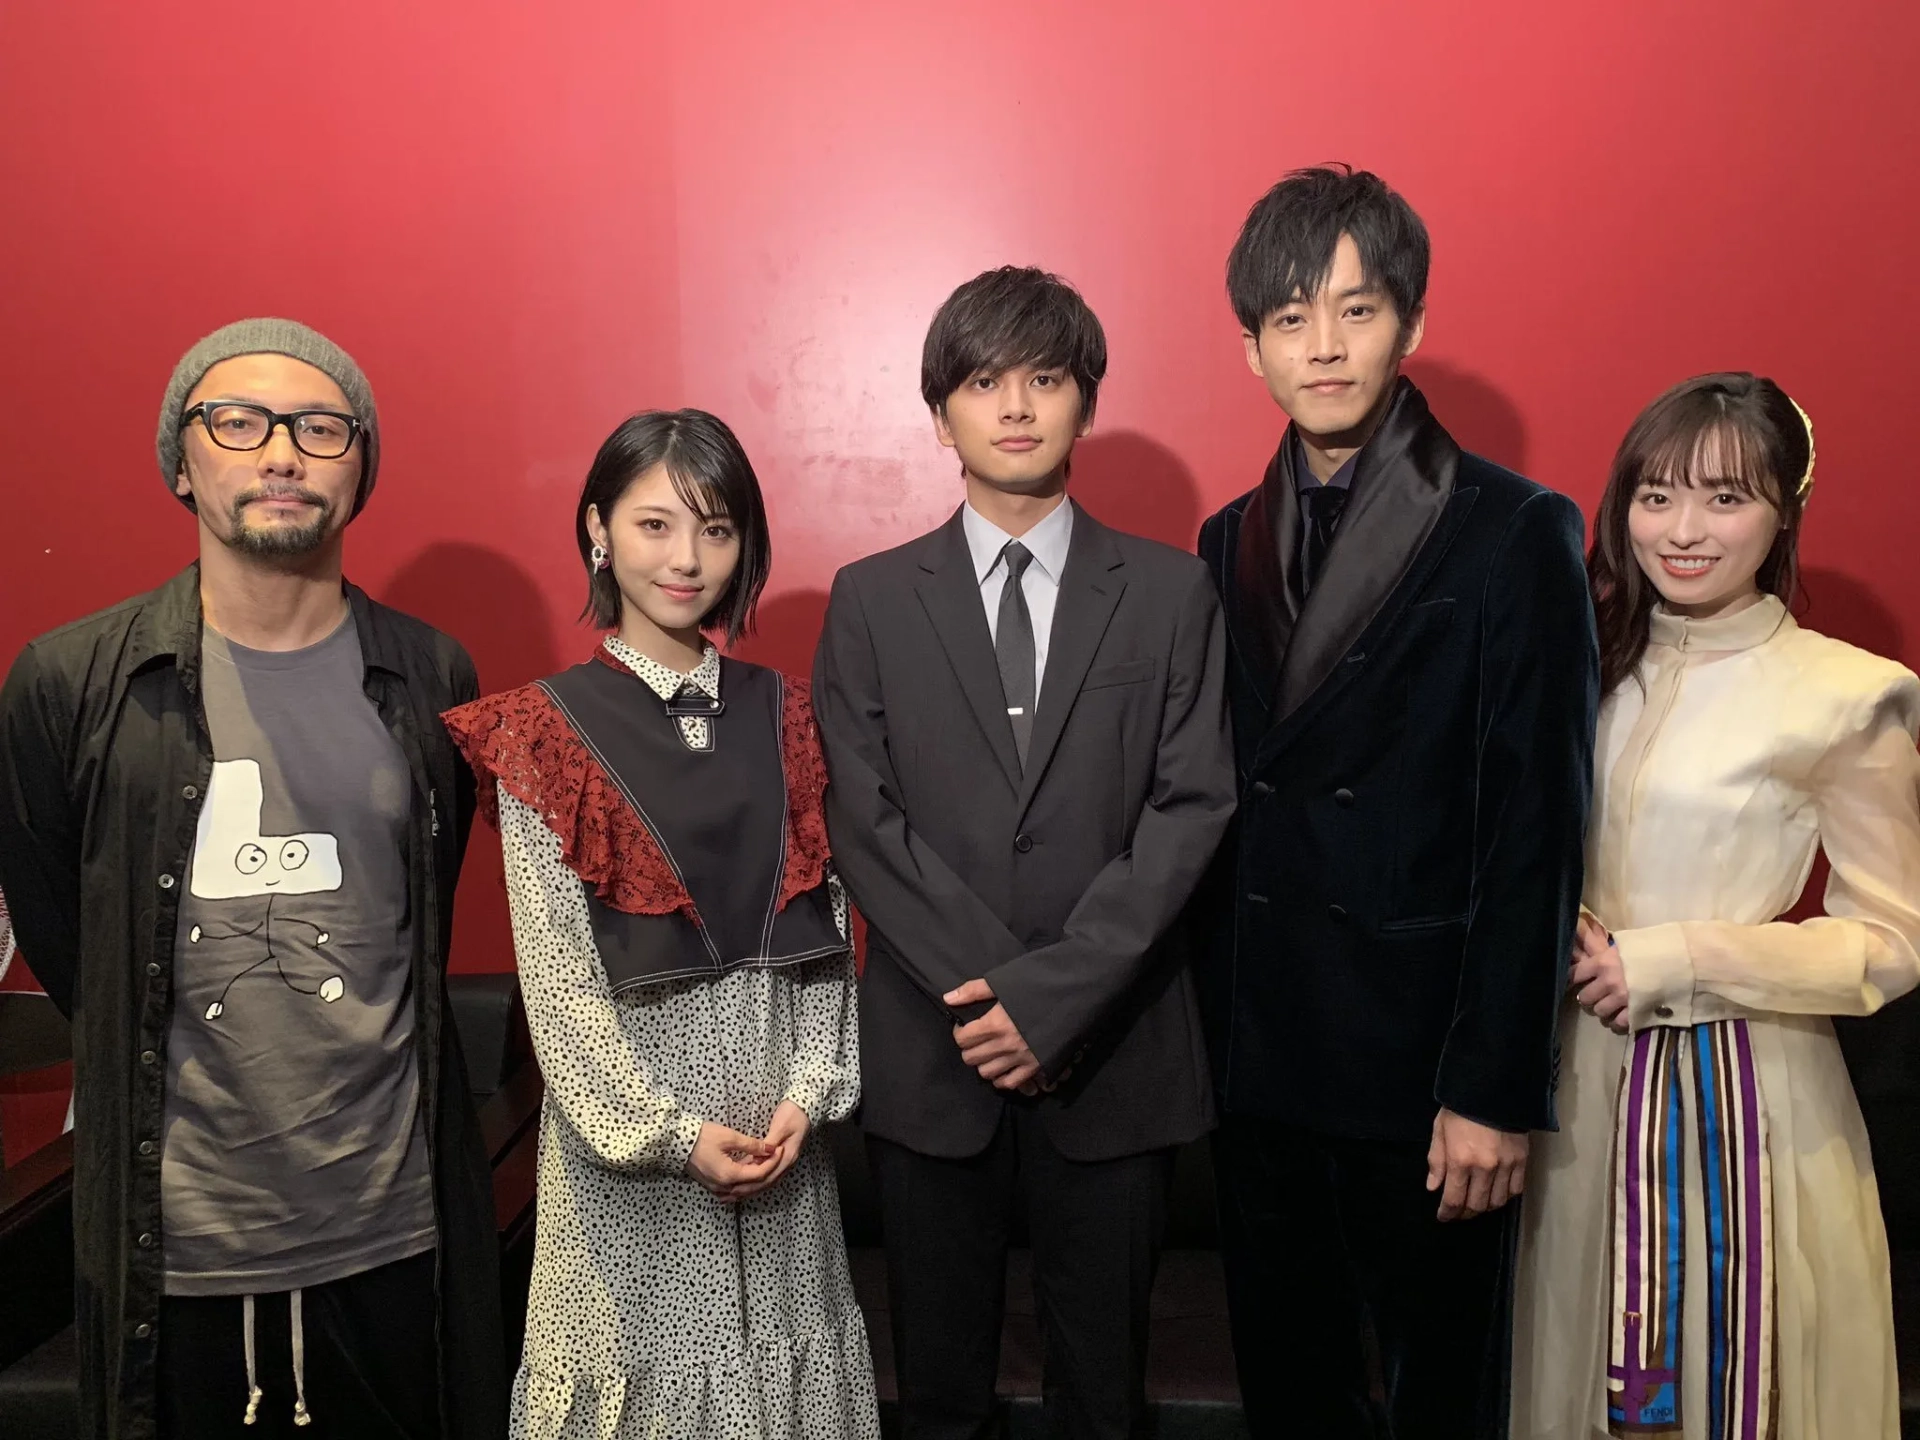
{"points": [[372, 1362], [1096, 1229], [1321, 1236]]}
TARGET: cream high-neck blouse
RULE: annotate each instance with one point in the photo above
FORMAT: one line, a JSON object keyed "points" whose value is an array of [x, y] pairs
{"points": [[1746, 747]]}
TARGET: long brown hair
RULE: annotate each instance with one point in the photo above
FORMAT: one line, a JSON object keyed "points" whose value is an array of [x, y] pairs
{"points": [[1727, 428]]}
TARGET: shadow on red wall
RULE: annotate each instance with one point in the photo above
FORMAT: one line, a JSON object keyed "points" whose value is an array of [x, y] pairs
{"points": [[1839, 605], [486, 602], [1480, 417], [1133, 483], [493, 607], [788, 629]]}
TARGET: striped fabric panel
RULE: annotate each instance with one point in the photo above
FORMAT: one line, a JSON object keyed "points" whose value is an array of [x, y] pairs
{"points": [[1649, 1230], [1739, 1229], [1708, 1070]]}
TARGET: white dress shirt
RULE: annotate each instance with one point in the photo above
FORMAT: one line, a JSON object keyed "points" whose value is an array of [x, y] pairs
{"points": [[1047, 542]]}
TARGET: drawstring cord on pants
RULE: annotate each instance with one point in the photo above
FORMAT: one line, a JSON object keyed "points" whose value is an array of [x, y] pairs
{"points": [[296, 1320], [246, 1332]]}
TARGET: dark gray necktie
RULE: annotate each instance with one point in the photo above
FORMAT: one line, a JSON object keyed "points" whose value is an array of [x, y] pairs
{"points": [[1013, 643]]}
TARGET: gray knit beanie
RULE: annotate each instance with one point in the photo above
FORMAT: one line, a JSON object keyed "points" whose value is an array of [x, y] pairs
{"points": [[270, 337]]}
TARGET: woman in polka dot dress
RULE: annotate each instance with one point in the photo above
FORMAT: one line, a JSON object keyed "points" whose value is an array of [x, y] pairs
{"points": [[682, 947]]}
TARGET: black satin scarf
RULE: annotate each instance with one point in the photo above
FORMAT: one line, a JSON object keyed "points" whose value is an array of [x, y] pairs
{"points": [[1401, 484]]}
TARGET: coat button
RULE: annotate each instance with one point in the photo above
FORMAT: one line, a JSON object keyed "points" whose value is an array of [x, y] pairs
{"points": [[142, 1330], [146, 1147], [153, 967], [1665, 1012], [1261, 789], [1343, 798], [145, 1241], [148, 1057], [1337, 914], [166, 882], [190, 792], [1023, 843]]}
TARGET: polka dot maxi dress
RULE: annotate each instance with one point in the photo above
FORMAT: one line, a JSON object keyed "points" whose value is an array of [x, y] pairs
{"points": [[657, 1310]]}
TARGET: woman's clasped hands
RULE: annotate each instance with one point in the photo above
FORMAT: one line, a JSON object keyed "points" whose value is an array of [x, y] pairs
{"points": [[734, 1166]]}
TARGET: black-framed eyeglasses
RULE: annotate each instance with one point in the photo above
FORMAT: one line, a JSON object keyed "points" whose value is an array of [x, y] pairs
{"points": [[238, 425]]}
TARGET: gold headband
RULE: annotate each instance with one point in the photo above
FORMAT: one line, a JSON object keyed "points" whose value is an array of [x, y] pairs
{"points": [[1806, 480]]}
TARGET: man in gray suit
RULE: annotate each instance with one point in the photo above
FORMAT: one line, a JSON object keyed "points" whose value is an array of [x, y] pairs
{"points": [[1024, 724]]}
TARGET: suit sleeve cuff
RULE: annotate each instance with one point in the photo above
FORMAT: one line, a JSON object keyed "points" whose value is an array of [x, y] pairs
{"points": [[1659, 972], [1055, 1046], [1501, 1126]]}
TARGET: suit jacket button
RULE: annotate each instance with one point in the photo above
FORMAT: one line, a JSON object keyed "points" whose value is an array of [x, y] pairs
{"points": [[1343, 798], [1023, 843], [1261, 789], [1337, 914], [1665, 1012]]}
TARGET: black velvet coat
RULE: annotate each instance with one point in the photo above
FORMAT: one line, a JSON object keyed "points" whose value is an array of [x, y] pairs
{"points": [[1386, 930]]}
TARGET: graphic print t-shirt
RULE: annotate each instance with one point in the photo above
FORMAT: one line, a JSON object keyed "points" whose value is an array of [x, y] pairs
{"points": [[293, 1147]]}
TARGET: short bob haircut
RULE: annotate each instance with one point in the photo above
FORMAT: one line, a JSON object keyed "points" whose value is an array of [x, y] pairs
{"points": [[711, 474], [1286, 247], [1013, 316], [1726, 429]]}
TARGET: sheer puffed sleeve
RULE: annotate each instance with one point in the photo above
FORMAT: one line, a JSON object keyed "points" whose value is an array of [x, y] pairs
{"points": [[824, 1078], [1862, 952], [594, 1073]]}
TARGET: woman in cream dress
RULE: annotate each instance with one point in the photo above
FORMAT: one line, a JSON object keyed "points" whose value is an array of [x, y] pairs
{"points": [[1702, 1251]]}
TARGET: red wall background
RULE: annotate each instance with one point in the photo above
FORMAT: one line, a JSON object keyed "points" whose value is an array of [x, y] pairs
{"points": [[527, 222]]}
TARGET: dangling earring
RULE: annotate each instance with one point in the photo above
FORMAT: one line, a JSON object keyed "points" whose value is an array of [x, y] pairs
{"points": [[599, 557]]}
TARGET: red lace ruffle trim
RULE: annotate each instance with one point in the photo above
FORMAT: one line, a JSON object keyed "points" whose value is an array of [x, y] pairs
{"points": [[806, 769], [520, 739]]}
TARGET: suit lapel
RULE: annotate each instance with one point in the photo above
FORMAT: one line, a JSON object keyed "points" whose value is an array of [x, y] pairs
{"points": [[1400, 487], [1089, 590], [1247, 649], [951, 594], [1263, 611], [1425, 561]]}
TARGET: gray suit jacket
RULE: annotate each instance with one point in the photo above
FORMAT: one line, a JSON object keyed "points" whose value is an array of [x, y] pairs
{"points": [[1061, 886]]}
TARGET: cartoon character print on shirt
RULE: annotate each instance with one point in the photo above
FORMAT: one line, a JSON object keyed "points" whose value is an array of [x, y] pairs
{"points": [[232, 860]]}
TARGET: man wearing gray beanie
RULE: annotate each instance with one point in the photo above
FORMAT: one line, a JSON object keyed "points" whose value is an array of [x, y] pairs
{"points": [[230, 827], [286, 338]]}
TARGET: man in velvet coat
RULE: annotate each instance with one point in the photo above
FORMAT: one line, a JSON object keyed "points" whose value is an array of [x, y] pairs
{"points": [[1412, 675]]}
